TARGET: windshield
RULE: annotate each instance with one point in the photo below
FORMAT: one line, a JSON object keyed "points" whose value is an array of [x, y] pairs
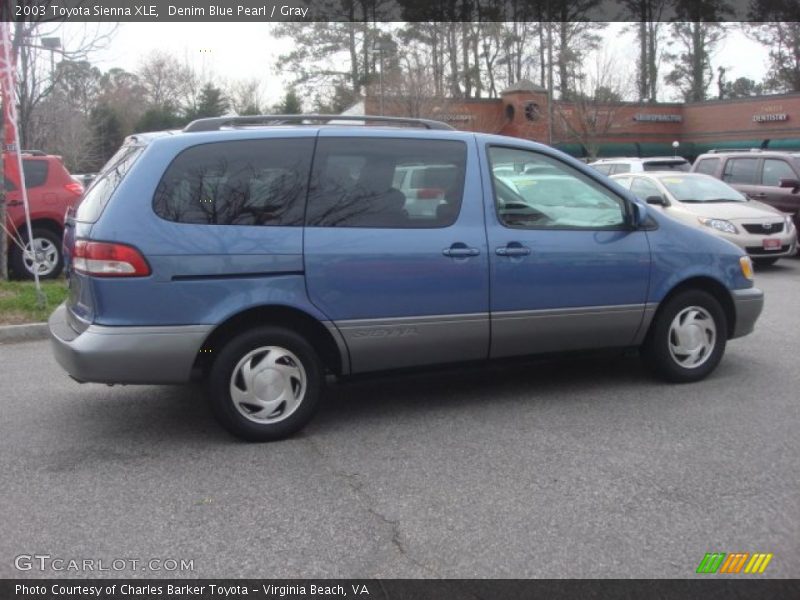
{"points": [[700, 189], [112, 173]]}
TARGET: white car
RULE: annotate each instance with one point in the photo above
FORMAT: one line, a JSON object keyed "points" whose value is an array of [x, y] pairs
{"points": [[615, 166], [762, 231]]}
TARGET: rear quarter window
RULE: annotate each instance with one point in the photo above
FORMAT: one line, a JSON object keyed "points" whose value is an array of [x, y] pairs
{"points": [[707, 166], [114, 171]]}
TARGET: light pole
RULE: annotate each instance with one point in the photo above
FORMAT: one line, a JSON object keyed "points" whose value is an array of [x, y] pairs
{"points": [[675, 145], [52, 44], [379, 48]]}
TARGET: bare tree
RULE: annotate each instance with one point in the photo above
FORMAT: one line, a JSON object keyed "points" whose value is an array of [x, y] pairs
{"points": [[596, 103], [245, 96], [36, 72], [166, 81]]}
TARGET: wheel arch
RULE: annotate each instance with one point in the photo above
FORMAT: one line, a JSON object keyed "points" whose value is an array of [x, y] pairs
{"points": [[330, 346], [706, 284]]}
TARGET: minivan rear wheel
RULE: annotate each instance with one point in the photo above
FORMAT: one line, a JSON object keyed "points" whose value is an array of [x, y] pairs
{"points": [[265, 384], [687, 339], [48, 259]]}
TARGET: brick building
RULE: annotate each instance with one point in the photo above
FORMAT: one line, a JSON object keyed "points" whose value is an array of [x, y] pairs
{"points": [[616, 129]]}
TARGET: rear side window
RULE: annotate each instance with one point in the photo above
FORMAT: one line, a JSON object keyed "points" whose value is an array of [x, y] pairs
{"points": [[110, 176], [707, 166], [621, 168], [740, 170], [604, 169], [35, 172], [250, 182], [354, 183], [775, 170]]}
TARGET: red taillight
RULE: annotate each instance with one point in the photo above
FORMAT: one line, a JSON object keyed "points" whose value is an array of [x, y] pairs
{"points": [[104, 259], [74, 187], [429, 193]]}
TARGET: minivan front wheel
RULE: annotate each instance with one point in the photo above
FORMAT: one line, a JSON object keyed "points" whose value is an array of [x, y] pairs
{"points": [[265, 384], [46, 258], [687, 339]]}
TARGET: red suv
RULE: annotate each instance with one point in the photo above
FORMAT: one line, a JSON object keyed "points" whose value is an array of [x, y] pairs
{"points": [[51, 191]]}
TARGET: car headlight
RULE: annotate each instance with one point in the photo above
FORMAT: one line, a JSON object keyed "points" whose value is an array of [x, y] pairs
{"points": [[789, 223], [719, 224]]}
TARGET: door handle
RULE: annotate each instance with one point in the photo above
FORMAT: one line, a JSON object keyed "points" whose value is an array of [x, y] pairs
{"points": [[758, 195], [513, 249], [460, 250]]}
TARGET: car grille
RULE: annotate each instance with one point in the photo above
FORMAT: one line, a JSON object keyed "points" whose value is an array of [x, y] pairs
{"points": [[764, 228], [759, 251]]}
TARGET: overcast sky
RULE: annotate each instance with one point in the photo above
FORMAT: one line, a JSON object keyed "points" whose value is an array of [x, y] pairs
{"points": [[248, 50]]}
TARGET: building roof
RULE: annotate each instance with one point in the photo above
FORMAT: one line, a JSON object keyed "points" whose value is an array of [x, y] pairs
{"points": [[523, 85]]}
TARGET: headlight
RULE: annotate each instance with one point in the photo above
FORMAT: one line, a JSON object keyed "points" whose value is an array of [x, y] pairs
{"points": [[718, 224], [789, 223], [747, 267]]}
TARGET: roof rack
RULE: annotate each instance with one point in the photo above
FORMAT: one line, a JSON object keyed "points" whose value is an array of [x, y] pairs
{"points": [[724, 150], [217, 123]]}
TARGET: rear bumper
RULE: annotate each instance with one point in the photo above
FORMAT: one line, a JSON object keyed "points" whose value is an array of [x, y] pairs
{"points": [[748, 305], [150, 355]]}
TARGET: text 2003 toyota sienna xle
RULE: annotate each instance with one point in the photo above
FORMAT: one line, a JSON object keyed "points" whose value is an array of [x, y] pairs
{"points": [[259, 257]]}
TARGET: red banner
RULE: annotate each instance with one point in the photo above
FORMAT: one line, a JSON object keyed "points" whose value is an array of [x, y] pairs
{"points": [[8, 88]]}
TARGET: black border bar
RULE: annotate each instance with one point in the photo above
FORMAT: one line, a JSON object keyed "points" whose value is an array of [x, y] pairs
{"points": [[399, 589], [152, 11]]}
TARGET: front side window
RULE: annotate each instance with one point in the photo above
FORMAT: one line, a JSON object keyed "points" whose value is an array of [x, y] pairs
{"points": [[555, 197], [621, 168], [355, 183], [775, 170], [250, 182], [740, 170]]}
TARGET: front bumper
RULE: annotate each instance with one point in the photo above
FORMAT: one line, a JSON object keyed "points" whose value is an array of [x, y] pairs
{"points": [[748, 305], [149, 355]]}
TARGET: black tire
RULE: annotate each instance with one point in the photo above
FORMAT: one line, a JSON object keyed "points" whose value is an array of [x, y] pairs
{"points": [[656, 348], [765, 262], [53, 244], [231, 415]]}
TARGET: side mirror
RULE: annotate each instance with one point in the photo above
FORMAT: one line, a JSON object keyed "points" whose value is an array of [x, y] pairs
{"points": [[638, 214], [660, 200], [789, 183]]}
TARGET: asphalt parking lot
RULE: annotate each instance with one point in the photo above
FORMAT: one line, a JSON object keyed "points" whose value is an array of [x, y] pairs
{"points": [[572, 468]]}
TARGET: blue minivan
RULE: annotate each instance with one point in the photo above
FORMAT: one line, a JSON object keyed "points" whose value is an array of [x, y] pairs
{"points": [[260, 254]]}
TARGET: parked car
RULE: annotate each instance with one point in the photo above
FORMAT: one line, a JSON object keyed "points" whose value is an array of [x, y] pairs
{"points": [[768, 176], [85, 179], [424, 187], [258, 259], [51, 192], [765, 233], [613, 166]]}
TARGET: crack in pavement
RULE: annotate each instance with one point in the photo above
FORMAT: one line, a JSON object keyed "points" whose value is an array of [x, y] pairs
{"points": [[367, 502]]}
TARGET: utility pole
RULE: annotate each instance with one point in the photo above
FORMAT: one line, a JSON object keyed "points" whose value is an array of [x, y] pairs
{"points": [[550, 83]]}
